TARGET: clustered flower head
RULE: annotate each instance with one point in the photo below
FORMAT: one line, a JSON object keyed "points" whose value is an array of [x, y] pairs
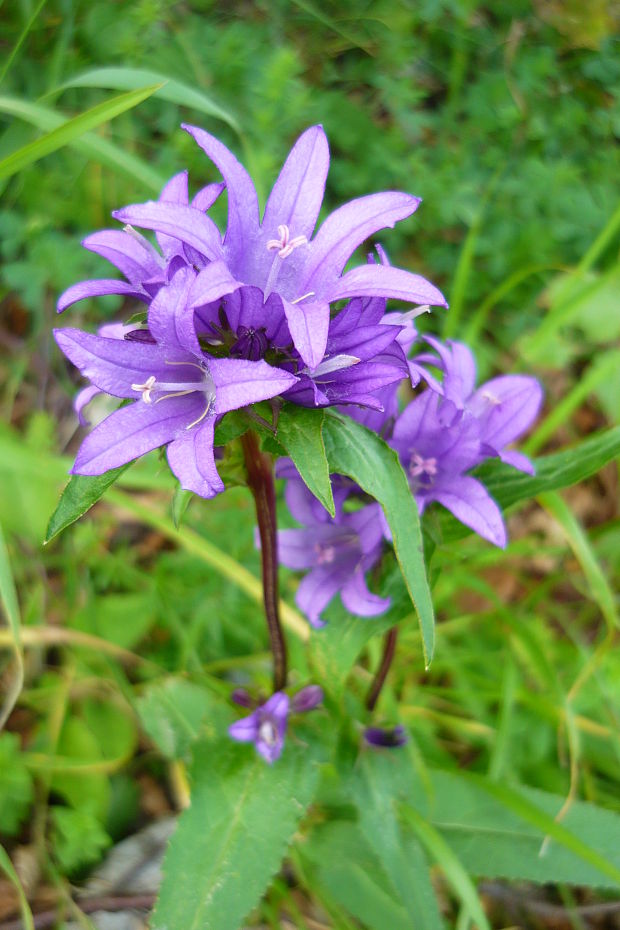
{"points": [[239, 317], [265, 310]]}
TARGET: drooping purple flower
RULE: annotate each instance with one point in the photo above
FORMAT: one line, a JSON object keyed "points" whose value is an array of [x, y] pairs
{"points": [[385, 737], [279, 254], [336, 551], [265, 727], [178, 391], [436, 457], [504, 407]]}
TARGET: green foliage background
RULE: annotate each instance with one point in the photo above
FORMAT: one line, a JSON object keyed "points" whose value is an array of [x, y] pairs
{"points": [[504, 118]]}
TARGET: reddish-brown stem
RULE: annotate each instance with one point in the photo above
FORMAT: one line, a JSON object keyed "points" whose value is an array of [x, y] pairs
{"points": [[389, 648], [259, 470]]}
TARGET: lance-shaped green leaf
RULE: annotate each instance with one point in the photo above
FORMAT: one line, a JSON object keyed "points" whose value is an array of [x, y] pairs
{"points": [[232, 840], [10, 607], [300, 432], [354, 450], [82, 492], [72, 129]]}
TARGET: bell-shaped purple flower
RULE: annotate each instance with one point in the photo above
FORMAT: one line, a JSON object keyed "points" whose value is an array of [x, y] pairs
{"points": [[279, 254], [265, 727], [336, 551], [178, 391]]}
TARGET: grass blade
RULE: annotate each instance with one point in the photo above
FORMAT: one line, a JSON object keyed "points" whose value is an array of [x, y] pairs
{"points": [[10, 606], [7, 867], [73, 128], [170, 89]]}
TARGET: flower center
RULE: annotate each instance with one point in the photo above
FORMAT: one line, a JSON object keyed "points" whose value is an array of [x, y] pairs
{"points": [[422, 468], [325, 553], [169, 389], [251, 343], [268, 733], [284, 246], [491, 398]]}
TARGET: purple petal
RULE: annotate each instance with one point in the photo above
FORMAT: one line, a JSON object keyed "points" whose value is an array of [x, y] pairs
{"points": [[82, 400], [302, 504], [348, 227], [190, 457], [180, 222], [170, 319], [365, 343], [309, 326], [307, 699], [128, 254], [316, 591], [241, 697], [506, 407], [206, 196], [518, 460], [471, 503], [277, 708], [132, 431], [243, 215], [360, 601], [245, 730], [113, 365], [239, 382], [385, 281], [213, 282], [175, 191], [97, 288], [296, 548], [297, 195]]}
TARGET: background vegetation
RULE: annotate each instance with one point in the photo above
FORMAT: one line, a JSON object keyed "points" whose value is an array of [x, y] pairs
{"points": [[504, 117]]}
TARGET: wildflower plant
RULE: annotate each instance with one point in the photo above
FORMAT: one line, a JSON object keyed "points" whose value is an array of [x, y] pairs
{"points": [[268, 350]]}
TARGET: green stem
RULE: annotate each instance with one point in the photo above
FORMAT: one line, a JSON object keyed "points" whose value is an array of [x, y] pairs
{"points": [[259, 468]]}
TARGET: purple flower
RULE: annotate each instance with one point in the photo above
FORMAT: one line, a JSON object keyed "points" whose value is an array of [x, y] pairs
{"points": [[178, 391], [386, 738], [436, 456], [338, 551], [279, 254], [146, 269], [265, 727], [505, 407]]}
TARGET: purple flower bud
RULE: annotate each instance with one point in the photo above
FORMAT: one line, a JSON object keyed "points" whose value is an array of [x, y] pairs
{"points": [[388, 738], [241, 697], [307, 699]]}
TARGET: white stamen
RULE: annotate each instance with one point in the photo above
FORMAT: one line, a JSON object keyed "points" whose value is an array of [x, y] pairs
{"points": [[144, 242], [491, 398], [285, 245], [299, 299], [335, 363], [145, 389]]}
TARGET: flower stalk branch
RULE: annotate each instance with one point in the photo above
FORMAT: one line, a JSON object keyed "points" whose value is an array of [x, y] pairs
{"points": [[389, 649], [259, 469]]}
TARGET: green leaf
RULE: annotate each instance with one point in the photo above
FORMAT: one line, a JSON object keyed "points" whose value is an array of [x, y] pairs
{"points": [[78, 839], [498, 832], [174, 713], [82, 492], [180, 502], [93, 146], [184, 95], [16, 789], [553, 472], [300, 431], [450, 865], [10, 608], [377, 789], [344, 866], [73, 128], [359, 453], [232, 840]]}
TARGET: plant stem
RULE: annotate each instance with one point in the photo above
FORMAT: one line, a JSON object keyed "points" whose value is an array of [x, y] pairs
{"points": [[259, 468], [389, 648]]}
